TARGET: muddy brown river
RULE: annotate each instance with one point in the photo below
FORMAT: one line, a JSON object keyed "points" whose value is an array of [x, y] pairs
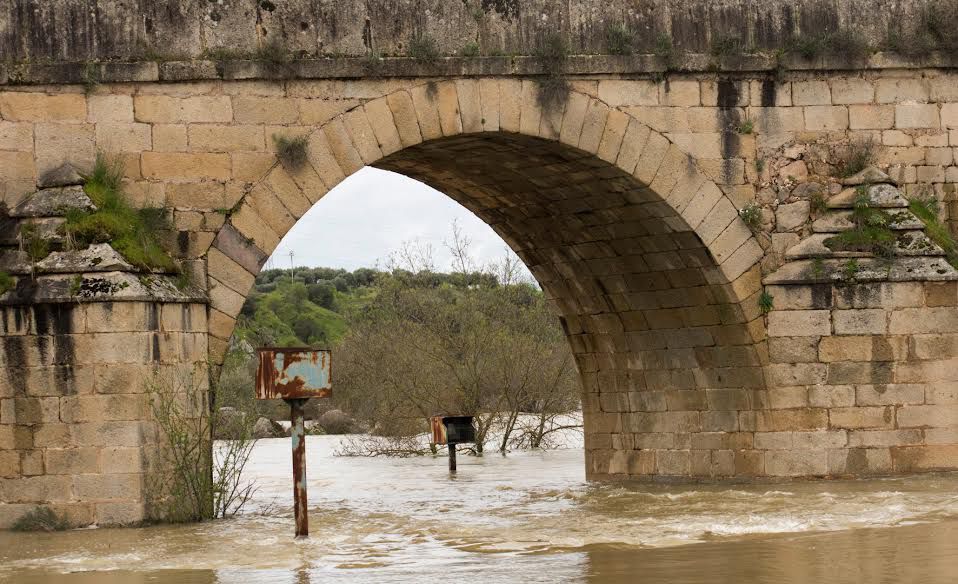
{"points": [[527, 517]]}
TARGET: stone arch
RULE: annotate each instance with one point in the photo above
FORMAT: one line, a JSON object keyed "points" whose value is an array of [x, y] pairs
{"points": [[654, 275]]}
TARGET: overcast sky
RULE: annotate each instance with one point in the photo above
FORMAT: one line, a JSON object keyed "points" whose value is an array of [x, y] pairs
{"points": [[371, 214]]}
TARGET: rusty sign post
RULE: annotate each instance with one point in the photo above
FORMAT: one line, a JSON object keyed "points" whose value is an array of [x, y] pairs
{"points": [[295, 375], [452, 430]]}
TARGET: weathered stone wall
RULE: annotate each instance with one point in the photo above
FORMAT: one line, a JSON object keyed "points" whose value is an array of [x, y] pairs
{"points": [[75, 430], [862, 379], [77, 30], [624, 200]]}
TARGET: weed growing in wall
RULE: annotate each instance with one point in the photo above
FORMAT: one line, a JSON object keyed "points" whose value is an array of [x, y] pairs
{"points": [[470, 49], [926, 208], [292, 152], [33, 243], [554, 87], [766, 302], [871, 233], [856, 157], [423, 48], [751, 215], [134, 233], [619, 39]]}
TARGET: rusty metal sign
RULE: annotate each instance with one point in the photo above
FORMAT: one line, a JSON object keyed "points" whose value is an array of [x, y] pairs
{"points": [[293, 373], [438, 430]]}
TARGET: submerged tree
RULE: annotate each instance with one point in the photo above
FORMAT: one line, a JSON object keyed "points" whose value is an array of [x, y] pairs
{"points": [[472, 345]]}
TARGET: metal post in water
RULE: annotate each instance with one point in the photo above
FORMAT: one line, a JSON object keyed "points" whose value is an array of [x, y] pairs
{"points": [[298, 435], [452, 458]]}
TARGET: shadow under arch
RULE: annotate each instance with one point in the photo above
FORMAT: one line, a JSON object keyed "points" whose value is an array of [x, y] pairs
{"points": [[651, 271]]}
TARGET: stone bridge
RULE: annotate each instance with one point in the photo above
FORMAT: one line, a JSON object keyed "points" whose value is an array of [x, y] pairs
{"points": [[738, 309]]}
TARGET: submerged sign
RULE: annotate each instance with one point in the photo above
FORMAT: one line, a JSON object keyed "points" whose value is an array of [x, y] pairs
{"points": [[293, 374]]}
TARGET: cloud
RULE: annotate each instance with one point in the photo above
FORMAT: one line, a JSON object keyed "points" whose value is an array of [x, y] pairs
{"points": [[371, 214]]}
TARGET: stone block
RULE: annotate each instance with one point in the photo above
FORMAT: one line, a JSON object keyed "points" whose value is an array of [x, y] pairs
{"points": [[879, 438], [811, 93], [323, 159], [791, 216], [633, 145], [615, 127], [749, 463], [164, 109], [41, 107], [925, 458], [120, 513], [673, 462], [106, 487], [363, 138], [851, 90], [38, 489], [899, 90], [845, 348], [949, 115], [16, 136], [593, 126], [341, 145], [573, 118], [265, 110], [862, 417], [679, 93], [826, 117], [860, 322], [916, 116], [799, 323], [225, 138], [871, 117], [924, 416], [72, 461], [618, 93], [889, 394], [175, 166], [923, 320], [60, 143], [796, 463]]}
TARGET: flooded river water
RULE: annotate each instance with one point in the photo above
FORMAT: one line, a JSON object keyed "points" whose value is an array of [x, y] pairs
{"points": [[528, 517]]}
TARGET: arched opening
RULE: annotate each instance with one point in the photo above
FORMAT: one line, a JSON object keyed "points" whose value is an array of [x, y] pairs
{"points": [[649, 268]]}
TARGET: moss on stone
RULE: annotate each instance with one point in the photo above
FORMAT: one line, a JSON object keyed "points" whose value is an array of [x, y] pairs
{"points": [[134, 233], [6, 283]]}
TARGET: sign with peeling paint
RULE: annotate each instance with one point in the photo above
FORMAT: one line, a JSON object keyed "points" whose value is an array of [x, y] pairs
{"points": [[293, 373]]}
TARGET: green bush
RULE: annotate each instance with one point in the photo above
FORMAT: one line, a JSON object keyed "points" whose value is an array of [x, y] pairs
{"points": [[134, 233], [190, 480]]}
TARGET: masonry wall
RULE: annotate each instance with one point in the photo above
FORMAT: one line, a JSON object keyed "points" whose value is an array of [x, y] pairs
{"points": [[683, 376], [75, 433], [863, 380]]}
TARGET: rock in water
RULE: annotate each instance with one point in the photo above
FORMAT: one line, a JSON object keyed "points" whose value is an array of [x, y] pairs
{"points": [[266, 428], [337, 422]]}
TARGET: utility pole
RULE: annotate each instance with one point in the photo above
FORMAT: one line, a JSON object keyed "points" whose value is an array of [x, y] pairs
{"points": [[291, 270]]}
